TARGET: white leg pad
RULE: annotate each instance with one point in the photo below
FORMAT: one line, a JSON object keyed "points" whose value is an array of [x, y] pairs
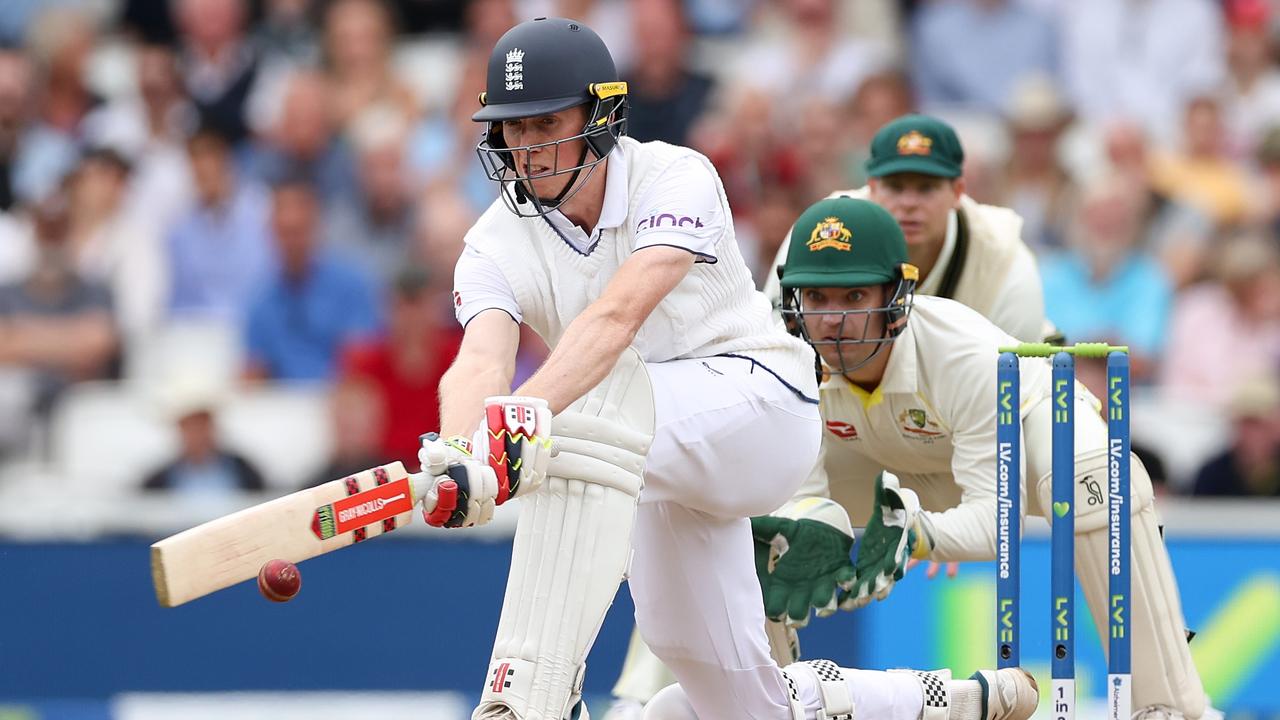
{"points": [[1163, 671], [837, 700], [571, 550]]}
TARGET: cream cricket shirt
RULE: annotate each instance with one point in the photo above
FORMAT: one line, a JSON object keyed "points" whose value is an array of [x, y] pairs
{"points": [[931, 422]]}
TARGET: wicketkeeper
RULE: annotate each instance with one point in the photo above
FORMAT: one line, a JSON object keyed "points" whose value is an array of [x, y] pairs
{"points": [[909, 387]]}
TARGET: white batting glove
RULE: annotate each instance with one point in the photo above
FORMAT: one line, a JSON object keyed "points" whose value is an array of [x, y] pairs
{"points": [[462, 489], [507, 458], [516, 443]]}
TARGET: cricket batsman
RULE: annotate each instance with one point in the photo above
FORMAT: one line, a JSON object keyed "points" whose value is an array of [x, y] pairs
{"points": [[964, 250], [670, 409], [908, 387]]}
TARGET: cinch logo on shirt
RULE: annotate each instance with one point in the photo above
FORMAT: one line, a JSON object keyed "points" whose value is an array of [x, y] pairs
{"points": [[842, 430], [668, 220]]}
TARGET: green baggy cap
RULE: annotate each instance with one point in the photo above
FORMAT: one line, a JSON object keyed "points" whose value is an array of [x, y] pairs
{"points": [[916, 144]]}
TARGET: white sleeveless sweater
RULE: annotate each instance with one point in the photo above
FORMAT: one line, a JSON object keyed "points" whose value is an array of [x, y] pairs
{"points": [[714, 310]]}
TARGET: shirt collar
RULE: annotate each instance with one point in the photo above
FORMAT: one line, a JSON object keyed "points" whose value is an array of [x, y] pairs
{"points": [[613, 212], [899, 373], [929, 285]]}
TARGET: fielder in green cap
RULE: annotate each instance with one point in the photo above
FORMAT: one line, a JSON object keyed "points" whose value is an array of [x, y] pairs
{"points": [[965, 250], [847, 285], [917, 144]]}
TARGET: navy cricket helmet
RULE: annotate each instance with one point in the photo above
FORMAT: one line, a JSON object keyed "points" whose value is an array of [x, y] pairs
{"points": [[541, 67]]}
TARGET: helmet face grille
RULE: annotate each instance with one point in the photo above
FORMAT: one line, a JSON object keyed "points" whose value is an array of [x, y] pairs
{"points": [[538, 68], [512, 167], [895, 315]]}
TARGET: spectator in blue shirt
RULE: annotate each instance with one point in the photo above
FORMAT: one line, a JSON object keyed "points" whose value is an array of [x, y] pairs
{"points": [[1105, 287], [219, 250], [313, 303], [973, 53]]}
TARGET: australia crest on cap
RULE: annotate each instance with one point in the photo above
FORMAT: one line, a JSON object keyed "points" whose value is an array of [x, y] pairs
{"points": [[830, 232], [915, 143]]}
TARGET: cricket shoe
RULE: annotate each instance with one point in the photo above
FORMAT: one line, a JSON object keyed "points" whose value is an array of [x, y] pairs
{"points": [[1008, 693]]}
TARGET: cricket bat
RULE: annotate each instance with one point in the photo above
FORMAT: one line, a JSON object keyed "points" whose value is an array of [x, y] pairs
{"points": [[231, 549]]}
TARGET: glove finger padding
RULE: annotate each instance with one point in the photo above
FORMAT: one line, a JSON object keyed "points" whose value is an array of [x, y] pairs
{"points": [[507, 457], [476, 487], [886, 545], [440, 503], [516, 443], [803, 560], [823, 597], [842, 584], [436, 453]]}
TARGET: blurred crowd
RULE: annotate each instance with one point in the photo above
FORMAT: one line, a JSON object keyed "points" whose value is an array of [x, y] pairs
{"points": [[297, 176]]}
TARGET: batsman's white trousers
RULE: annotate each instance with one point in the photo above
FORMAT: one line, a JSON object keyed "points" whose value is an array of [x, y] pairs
{"points": [[731, 441]]}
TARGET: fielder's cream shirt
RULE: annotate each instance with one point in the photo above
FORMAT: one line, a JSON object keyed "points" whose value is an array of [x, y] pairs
{"points": [[931, 422]]}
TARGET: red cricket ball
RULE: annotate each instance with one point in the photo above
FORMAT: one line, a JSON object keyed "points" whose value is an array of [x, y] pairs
{"points": [[279, 580]]}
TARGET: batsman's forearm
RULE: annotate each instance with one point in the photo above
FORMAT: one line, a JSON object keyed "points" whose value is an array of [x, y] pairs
{"points": [[590, 348], [462, 392]]}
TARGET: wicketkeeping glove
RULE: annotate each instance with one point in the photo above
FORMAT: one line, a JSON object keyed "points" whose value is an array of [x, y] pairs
{"points": [[892, 534], [802, 559]]}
